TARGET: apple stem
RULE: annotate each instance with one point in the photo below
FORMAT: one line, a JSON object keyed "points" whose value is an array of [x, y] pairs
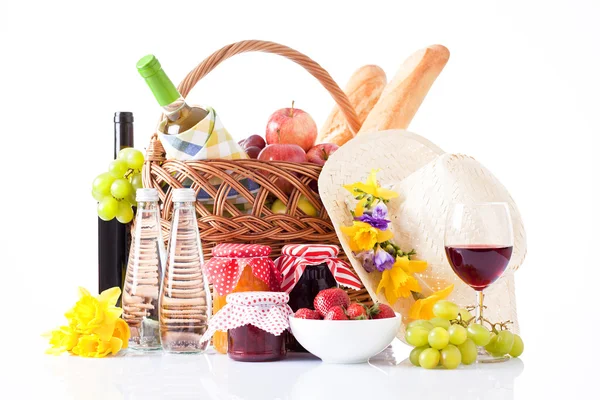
{"points": [[292, 110]]}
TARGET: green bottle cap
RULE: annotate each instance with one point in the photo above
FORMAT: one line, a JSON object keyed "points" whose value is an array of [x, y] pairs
{"points": [[160, 84]]}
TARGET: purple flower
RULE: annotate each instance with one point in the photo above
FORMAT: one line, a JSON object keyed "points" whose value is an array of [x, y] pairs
{"points": [[383, 260], [366, 259], [376, 218]]}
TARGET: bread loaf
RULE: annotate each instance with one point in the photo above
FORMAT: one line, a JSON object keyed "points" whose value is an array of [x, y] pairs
{"points": [[403, 95], [363, 90]]}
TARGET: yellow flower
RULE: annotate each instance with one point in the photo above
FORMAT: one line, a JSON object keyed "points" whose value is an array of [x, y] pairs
{"points": [[370, 187], [93, 346], [363, 236], [122, 332], [62, 339], [398, 281], [423, 308], [92, 315]]}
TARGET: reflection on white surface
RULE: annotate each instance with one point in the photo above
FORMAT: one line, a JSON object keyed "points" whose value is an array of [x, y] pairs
{"points": [[215, 377]]}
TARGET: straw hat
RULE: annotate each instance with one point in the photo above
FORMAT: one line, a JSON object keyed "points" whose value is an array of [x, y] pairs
{"points": [[428, 182]]}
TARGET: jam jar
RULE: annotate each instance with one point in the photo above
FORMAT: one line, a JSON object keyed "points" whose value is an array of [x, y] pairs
{"points": [[256, 325], [307, 269], [239, 268]]}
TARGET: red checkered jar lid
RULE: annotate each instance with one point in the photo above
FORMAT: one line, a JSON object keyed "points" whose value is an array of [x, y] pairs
{"points": [[225, 268]]}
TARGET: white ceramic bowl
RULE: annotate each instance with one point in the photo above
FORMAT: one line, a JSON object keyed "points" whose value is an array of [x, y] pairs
{"points": [[345, 342]]}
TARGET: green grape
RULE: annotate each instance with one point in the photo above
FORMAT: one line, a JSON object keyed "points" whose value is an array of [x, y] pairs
{"points": [[135, 159], [458, 334], [445, 309], [417, 336], [131, 200], [450, 357], [136, 181], [117, 168], [121, 188], [479, 333], [440, 322], [438, 338], [107, 208], [468, 352], [517, 347], [124, 153], [465, 314], [102, 183], [124, 213], [491, 346], [504, 342], [421, 322], [429, 358], [414, 355], [97, 196]]}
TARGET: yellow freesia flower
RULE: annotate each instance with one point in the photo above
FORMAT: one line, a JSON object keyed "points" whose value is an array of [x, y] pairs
{"points": [[92, 315], [398, 281], [62, 339], [370, 187], [423, 308], [364, 237], [93, 346]]}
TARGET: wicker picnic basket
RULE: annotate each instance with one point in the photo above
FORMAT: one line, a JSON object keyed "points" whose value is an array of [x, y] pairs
{"points": [[223, 222]]}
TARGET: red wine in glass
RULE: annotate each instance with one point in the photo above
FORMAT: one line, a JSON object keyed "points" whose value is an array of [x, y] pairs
{"points": [[478, 265]]}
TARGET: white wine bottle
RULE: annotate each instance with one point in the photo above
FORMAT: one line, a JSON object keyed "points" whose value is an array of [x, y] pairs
{"points": [[179, 115]]}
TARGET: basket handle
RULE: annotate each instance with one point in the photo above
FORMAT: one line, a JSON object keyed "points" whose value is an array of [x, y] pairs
{"points": [[245, 46]]}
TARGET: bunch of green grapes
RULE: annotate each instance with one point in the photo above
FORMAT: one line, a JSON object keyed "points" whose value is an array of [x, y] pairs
{"points": [[450, 339], [115, 190]]}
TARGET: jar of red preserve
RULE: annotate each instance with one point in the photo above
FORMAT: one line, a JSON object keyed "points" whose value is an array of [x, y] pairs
{"points": [[307, 269], [239, 268], [256, 324]]}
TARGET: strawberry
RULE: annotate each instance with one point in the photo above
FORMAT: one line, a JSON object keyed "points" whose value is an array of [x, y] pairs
{"points": [[356, 311], [380, 311], [306, 313], [336, 313], [328, 298]]}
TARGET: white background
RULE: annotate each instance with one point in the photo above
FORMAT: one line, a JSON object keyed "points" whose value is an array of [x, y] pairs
{"points": [[520, 93]]}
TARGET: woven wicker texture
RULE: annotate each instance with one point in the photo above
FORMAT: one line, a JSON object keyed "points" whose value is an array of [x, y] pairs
{"points": [[426, 189], [223, 222]]}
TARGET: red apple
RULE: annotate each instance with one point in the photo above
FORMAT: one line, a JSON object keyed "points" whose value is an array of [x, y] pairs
{"points": [[283, 152], [321, 152], [292, 126], [255, 140], [253, 151]]}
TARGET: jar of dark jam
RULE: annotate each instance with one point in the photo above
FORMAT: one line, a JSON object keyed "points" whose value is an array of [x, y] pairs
{"points": [[249, 343], [256, 324], [307, 269]]}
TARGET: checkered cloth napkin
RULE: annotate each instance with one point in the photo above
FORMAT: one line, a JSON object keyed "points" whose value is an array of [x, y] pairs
{"points": [[208, 139]]}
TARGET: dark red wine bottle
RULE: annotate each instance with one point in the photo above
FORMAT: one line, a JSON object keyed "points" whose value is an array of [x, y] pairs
{"points": [[113, 237]]}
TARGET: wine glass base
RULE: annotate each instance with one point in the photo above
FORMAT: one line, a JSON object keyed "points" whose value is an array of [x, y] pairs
{"points": [[483, 357]]}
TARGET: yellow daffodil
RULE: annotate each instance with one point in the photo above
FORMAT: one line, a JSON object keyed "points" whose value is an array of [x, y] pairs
{"points": [[95, 329], [93, 346], [398, 281], [364, 237], [122, 332], [423, 308], [370, 187], [62, 339], [95, 315]]}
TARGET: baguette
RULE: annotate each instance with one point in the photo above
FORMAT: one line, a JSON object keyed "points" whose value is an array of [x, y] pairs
{"points": [[404, 94], [363, 90]]}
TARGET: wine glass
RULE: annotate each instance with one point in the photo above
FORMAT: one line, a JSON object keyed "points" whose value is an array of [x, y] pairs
{"points": [[479, 243]]}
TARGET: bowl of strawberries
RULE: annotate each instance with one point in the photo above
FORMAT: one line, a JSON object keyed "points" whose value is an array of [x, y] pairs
{"points": [[340, 332]]}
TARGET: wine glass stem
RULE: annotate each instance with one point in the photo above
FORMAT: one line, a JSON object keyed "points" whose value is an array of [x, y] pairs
{"points": [[479, 312]]}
